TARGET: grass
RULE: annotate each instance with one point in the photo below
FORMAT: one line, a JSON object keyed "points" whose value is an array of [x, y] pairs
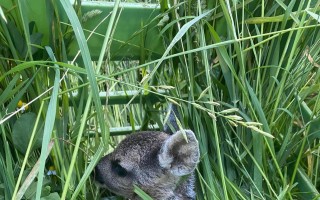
{"points": [[246, 75]]}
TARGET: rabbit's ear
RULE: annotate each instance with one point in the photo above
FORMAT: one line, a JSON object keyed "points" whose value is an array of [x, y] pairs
{"points": [[180, 154]]}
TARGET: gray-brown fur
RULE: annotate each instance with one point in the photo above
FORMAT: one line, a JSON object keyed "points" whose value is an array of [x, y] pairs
{"points": [[160, 164]]}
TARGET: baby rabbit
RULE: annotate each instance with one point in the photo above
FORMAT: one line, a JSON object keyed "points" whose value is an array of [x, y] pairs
{"points": [[159, 163]]}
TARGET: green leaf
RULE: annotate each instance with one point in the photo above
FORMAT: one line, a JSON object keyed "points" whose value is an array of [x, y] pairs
{"points": [[306, 187], [22, 131], [52, 196]]}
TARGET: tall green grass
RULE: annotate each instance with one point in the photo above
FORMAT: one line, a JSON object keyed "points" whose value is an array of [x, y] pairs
{"points": [[246, 74]]}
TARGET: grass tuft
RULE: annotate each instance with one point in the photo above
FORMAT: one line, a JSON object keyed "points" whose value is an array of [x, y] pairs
{"points": [[244, 74]]}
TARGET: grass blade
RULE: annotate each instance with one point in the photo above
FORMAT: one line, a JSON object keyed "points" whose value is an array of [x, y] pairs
{"points": [[48, 127]]}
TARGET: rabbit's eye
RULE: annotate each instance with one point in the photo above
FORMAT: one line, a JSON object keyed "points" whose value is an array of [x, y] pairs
{"points": [[118, 169]]}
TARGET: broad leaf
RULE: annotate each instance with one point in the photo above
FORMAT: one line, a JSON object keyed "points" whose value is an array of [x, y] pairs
{"points": [[22, 131]]}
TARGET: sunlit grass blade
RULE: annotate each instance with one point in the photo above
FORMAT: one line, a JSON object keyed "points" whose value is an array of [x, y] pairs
{"points": [[48, 127], [141, 193], [87, 62]]}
